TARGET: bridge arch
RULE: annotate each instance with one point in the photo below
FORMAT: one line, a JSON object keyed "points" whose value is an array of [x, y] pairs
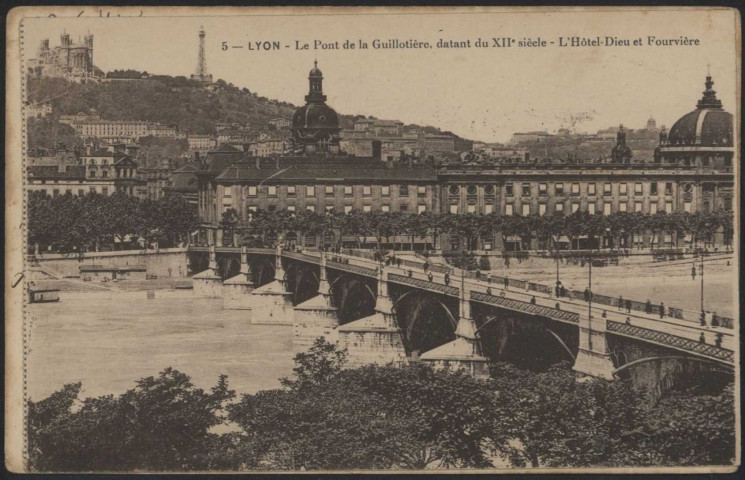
{"points": [[198, 262], [426, 322], [265, 271], [304, 283], [528, 341], [228, 266], [657, 375], [353, 297]]}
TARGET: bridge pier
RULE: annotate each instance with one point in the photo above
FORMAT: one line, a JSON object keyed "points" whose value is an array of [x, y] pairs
{"points": [[316, 317], [463, 353], [271, 304], [375, 339], [208, 283], [593, 356], [236, 290]]}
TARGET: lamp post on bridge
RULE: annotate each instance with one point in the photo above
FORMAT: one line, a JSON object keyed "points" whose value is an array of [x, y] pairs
{"points": [[703, 315], [589, 299]]}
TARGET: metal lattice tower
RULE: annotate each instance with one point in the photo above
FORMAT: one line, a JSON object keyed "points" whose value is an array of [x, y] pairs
{"points": [[201, 73]]}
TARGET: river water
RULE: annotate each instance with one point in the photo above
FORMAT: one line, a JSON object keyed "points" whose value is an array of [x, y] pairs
{"points": [[108, 341]]}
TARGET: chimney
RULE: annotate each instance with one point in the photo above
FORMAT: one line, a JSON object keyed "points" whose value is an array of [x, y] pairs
{"points": [[258, 163], [276, 162]]}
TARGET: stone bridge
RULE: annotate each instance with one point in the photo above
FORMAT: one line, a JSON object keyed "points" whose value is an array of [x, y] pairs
{"points": [[393, 314]]}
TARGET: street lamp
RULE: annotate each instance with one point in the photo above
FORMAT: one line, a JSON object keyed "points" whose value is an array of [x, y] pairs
{"points": [[557, 274], [702, 282], [589, 301]]}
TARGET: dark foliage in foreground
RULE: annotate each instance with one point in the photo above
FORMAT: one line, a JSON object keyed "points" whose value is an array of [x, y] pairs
{"points": [[328, 418]]}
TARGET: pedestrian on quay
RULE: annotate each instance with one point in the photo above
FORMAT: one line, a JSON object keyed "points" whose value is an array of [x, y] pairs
{"points": [[702, 318], [398, 262], [701, 338], [532, 300], [558, 306], [605, 314], [587, 294], [628, 320], [648, 307], [425, 266], [410, 273], [558, 289], [620, 302], [447, 279], [714, 320], [718, 340], [628, 306], [506, 282], [488, 290], [429, 276], [662, 309], [693, 272]]}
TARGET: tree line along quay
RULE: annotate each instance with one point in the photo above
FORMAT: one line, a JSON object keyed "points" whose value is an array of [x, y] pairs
{"points": [[70, 223]]}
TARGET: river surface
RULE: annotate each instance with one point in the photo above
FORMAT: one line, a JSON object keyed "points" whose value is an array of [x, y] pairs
{"points": [[108, 339], [107, 342]]}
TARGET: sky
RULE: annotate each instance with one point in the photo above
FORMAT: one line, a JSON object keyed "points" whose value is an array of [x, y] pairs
{"points": [[479, 93]]}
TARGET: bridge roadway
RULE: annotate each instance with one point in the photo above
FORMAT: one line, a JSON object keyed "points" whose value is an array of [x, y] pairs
{"points": [[669, 332]]}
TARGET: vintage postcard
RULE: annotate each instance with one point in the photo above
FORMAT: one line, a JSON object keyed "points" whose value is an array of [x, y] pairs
{"points": [[372, 239]]}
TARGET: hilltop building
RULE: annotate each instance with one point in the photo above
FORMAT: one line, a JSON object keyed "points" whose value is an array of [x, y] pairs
{"points": [[70, 60]]}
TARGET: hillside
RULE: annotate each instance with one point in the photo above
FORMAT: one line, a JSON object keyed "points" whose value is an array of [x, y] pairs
{"points": [[169, 100]]}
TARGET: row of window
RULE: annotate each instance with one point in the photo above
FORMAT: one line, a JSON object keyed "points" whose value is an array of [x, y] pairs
{"points": [[347, 208], [526, 208], [81, 192], [636, 239], [623, 189], [310, 190]]}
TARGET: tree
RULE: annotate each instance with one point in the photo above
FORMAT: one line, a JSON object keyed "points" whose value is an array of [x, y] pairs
{"points": [[320, 364], [162, 424], [371, 418], [691, 428], [556, 420], [177, 217], [228, 223], [575, 226], [124, 213]]}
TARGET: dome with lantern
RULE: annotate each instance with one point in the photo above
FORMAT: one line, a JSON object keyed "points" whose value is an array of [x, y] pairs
{"points": [[315, 126], [707, 126]]}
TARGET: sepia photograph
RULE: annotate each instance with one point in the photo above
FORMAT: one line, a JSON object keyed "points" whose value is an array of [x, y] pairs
{"points": [[296, 239]]}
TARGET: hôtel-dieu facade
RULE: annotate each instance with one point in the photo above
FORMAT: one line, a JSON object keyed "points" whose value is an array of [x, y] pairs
{"points": [[692, 171]]}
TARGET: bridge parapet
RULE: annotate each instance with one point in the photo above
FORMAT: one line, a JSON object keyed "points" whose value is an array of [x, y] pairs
{"points": [[358, 269], [424, 284], [303, 257], [525, 307], [672, 341]]}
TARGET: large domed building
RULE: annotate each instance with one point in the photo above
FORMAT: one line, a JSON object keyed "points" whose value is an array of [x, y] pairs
{"points": [[315, 126], [701, 138]]}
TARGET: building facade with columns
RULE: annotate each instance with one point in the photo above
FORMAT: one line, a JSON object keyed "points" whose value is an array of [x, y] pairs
{"points": [[692, 172]]}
